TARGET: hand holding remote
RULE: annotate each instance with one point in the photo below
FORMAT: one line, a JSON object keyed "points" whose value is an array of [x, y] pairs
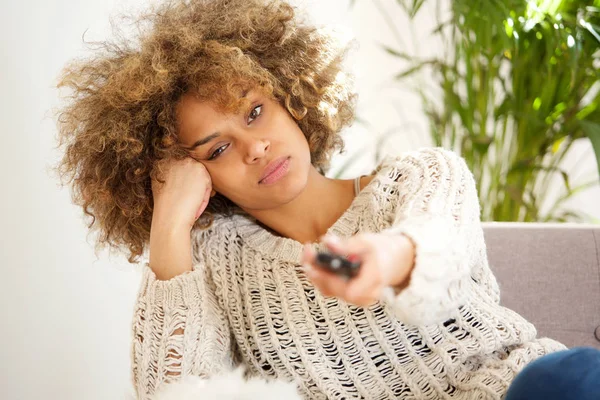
{"points": [[338, 264], [374, 261]]}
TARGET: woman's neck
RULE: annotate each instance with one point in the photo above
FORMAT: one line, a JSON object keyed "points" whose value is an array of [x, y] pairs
{"points": [[308, 216]]}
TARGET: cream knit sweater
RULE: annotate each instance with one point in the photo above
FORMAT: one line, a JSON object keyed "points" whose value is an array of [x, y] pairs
{"points": [[247, 302]]}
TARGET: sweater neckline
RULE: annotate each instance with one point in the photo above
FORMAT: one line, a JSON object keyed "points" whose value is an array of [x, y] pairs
{"points": [[290, 250]]}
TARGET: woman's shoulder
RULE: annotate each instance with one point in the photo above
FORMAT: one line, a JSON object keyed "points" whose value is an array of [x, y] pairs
{"points": [[413, 164], [205, 238], [215, 236], [429, 155]]}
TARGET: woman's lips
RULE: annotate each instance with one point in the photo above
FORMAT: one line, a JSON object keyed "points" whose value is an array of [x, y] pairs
{"points": [[278, 173]]}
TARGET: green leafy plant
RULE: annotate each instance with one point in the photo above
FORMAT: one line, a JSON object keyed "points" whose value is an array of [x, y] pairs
{"points": [[519, 85]]}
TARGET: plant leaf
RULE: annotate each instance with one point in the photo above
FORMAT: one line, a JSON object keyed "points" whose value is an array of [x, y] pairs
{"points": [[525, 165], [417, 67], [396, 53], [592, 130], [409, 71]]}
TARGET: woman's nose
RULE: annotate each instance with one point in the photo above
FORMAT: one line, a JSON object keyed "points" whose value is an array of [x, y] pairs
{"points": [[257, 148]]}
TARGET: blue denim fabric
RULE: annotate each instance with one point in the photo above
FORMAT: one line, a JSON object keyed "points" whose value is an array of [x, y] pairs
{"points": [[572, 374]]}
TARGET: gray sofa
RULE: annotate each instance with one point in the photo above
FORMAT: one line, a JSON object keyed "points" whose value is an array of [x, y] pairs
{"points": [[550, 274]]}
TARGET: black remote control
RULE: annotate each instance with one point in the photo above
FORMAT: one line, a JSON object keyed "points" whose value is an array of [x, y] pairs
{"points": [[337, 264]]}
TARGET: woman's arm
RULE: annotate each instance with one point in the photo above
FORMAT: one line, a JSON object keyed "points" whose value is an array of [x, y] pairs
{"points": [[179, 329], [438, 210]]}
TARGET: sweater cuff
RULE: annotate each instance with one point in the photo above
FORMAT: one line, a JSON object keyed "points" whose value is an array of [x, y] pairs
{"points": [[437, 285], [179, 291]]}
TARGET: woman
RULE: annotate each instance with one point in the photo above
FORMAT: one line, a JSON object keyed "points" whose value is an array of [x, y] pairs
{"points": [[206, 143]]}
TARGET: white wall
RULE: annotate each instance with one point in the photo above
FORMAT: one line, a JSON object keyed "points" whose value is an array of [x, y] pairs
{"points": [[65, 315]]}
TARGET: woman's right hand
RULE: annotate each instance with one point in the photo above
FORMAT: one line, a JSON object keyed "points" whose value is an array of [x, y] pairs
{"points": [[183, 197], [178, 203]]}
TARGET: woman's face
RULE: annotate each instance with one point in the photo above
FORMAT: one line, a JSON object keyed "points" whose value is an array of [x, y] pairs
{"points": [[244, 144]]}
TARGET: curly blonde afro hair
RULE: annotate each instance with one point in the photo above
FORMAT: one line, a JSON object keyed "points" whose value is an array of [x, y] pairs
{"points": [[119, 120]]}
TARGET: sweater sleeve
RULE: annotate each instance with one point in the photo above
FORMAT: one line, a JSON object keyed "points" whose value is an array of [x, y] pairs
{"points": [[438, 209], [179, 329]]}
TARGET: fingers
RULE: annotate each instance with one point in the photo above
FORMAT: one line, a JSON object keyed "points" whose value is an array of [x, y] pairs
{"points": [[353, 248], [334, 244], [204, 203], [361, 290], [327, 282]]}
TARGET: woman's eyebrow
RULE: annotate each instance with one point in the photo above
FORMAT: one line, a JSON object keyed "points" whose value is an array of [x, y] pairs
{"points": [[203, 141]]}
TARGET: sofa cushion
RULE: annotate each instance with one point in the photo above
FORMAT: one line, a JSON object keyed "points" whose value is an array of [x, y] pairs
{"points": [[550, 274]]}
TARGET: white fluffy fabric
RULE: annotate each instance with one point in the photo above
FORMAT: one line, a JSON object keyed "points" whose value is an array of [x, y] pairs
{"points": [[228, 386]]}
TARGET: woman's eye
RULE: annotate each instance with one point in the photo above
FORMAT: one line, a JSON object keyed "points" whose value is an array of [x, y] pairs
{"points": [[253, 115], [217, 153], [256, 115]]}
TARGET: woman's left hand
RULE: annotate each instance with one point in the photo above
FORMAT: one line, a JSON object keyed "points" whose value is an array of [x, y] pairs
{"points": [[386, 260]]}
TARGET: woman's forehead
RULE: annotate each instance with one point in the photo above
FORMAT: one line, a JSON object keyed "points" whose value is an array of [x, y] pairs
{"points": [[219, 102], [197, 115]]}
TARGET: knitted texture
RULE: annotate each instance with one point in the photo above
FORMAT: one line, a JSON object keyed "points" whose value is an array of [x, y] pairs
{"points": [[247, 302]]}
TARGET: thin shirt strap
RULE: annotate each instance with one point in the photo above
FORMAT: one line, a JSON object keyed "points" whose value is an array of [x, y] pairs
{"points": [[357, 185]]}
